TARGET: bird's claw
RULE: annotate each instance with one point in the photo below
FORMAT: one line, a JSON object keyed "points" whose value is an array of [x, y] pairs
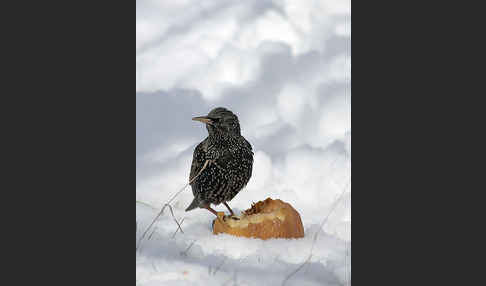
{"points": [[231, 216]]}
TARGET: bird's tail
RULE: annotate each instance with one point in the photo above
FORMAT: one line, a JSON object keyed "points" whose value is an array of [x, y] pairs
{"points": [[193, 205]]}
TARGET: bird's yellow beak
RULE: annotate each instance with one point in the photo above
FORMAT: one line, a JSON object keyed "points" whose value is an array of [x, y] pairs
{"points": [[203, 119]]}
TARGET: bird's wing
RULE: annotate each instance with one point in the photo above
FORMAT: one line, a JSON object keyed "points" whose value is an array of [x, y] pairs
{"points": [[248, 145], [198, 159], [227, 156]]}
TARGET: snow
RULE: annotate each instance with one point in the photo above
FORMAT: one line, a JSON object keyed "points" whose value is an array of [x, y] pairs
{"points": [[283, 67], [197, 257]]}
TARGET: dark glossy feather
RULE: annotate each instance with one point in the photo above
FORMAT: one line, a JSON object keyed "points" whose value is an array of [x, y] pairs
{"points": [[230, 161]]}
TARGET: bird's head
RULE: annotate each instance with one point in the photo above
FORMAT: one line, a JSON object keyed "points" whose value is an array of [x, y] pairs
{"points": [[220, 121]]}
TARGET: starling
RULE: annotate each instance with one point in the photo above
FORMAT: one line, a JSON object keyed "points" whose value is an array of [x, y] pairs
{"points": [[222, 163]]}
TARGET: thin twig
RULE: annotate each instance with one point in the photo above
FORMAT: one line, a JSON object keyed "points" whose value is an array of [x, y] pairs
{"points": [[154, 267], [184, 253], [179, 227], [219, 266], [315, 238], [297, 270], [173, 216], [150, 236], [168, 204], [328, 215]]}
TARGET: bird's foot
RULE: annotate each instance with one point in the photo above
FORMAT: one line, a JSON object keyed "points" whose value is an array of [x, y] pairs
{"points": [[231, 217]]}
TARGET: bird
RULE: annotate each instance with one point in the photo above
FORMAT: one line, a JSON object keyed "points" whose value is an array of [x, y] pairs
{"points": [[222, 163]]}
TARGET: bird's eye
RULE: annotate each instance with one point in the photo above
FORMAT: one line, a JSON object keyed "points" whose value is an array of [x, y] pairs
{"points": [[214, 119]]}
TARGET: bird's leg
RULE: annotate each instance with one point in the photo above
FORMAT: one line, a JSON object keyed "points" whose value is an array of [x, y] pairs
{"points": [[210, 209], [213, 211], [231, 211]]}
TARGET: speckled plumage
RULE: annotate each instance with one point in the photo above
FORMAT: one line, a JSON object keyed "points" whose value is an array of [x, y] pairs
{"points": [[230, 161]]}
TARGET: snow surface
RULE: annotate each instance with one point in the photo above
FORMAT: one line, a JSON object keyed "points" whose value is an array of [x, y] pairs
{"points": [[284, 68]]}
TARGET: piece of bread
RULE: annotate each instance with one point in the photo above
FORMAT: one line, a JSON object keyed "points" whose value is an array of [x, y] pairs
{"points": [[265, 219]]}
